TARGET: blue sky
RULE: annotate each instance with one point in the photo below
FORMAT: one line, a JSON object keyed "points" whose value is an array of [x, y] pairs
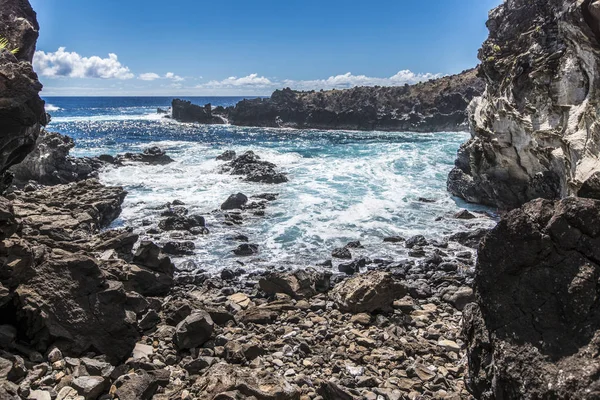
{"points": [[242, 47]]}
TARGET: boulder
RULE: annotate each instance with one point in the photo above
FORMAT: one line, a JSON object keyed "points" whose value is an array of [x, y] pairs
{"points": [[90, 387], [179, 248], [298, 284], [235, 201], [342, 253], [153, 156], [368, 292], [228, 155], [246, 249], [254, 169], [194, 330], [533, 332], [139, 385]]}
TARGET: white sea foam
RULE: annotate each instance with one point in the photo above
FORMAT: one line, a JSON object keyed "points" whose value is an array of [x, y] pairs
{"points": [[360, 191], [50, 107], [110, 117]]}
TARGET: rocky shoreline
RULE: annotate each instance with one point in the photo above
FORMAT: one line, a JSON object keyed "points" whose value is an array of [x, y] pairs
{"points": [[438, 105], [91, 312]]}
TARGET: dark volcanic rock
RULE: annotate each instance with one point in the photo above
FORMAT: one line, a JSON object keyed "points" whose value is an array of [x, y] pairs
{"points": [[194, 330], [342, 253], [367, 292], [255, 169], [153, 156], [185, 111], [227, 156], [246, 249], [298, 284], [50, 164], [534, 330], [22, 111], [532, 124], [179, 248], [437, 105], [235, 201]]}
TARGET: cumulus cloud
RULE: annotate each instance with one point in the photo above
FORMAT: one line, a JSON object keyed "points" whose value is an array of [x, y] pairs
{"points": [[173, 77], [149, 76], [344, 81], [70, 64], [250, 81]]}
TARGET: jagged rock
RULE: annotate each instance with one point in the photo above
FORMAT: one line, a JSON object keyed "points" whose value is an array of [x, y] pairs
{"points": [[235, 201], [535, 133], [8, 223], [418, 240], [90, 387], [136, 386], [246, 249], [228, 155], [194, 330], [367, 292], [153, 156], [469, 238], [262, 385], [182, 223], [22, 111], [352, 267], [342, 253], [438, 105], [179, 248], [254, 169], [298, 284], [185, 111], [50, 164], [534, 331], [66, 297]]}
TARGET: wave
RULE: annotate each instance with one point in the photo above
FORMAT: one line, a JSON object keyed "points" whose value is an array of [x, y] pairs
{"points": [[103, 118], [51, 107]]}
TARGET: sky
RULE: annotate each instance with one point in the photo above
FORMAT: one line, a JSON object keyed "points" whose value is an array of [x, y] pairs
{"points": [[251, 47]]}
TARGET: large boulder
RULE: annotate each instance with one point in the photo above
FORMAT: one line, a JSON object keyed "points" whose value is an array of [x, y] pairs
{"points": [[298, 284], [368, 292], [22, 111], [194, 330], [66, 298], [535, 330], [535, 129], [254, 169]]}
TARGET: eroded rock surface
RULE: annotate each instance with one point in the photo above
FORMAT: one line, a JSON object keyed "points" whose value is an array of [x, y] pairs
{"points": [[536, 131], [535, 330], [22, 111]]}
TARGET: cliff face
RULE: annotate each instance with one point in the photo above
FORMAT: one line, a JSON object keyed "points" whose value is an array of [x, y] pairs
{"points": [[437, 105], [536, 129], [21, 110]]}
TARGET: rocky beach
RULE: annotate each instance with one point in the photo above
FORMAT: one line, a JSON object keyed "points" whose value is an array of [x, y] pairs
{"points": [[131, 270]]}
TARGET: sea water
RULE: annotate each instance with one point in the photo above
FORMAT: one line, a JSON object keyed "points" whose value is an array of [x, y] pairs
{"points": [[343, 185]]}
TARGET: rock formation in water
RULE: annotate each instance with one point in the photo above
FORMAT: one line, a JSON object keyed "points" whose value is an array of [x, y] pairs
{"points": [[185, 111], [436, 105], [22, 111], [535, 330], [536, 129]]}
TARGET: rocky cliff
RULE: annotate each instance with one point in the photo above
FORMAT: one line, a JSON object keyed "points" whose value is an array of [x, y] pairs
{"points": [[536, 130], [21, 109], [436, 105]]}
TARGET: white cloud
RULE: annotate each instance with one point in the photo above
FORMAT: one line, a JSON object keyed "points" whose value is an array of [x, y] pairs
{"points": [[149, 76], [173, 77], [250, 81], [73, 65], [344, 81]]}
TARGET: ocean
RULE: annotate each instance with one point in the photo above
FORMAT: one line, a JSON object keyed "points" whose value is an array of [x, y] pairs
{"points": [[344, 185]]}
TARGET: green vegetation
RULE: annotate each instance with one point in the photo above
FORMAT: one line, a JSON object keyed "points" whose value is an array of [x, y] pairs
{"points": [[4, 45], [496, 48]]}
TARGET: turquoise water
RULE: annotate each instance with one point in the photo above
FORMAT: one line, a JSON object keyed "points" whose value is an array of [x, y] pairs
{"points": [[344, 185]]}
